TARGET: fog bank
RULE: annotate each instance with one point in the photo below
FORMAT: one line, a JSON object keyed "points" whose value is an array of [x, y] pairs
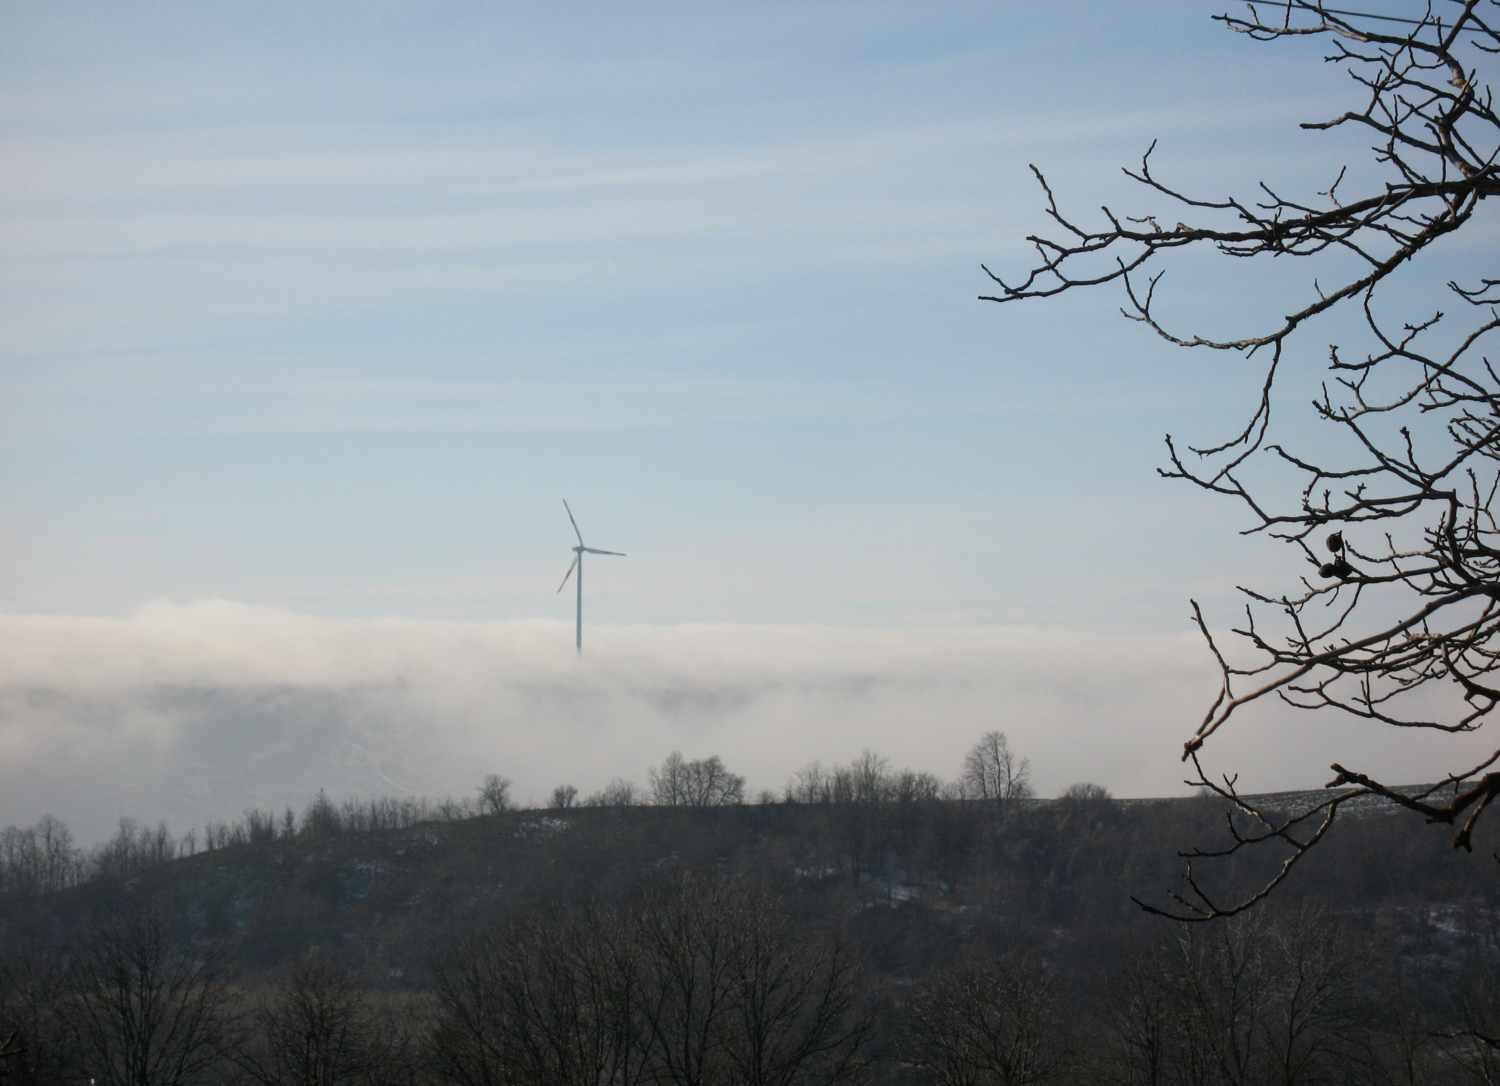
{"points": [[194, 712]]}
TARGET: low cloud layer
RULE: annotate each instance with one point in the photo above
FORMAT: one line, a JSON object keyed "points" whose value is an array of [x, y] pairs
{"points": [[189, 713]]}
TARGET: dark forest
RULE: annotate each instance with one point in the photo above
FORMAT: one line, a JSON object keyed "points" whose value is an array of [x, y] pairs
{"points": [[881, 931]]}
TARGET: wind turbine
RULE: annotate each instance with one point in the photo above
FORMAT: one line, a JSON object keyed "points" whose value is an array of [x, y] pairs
{"points": [[578, 553]]}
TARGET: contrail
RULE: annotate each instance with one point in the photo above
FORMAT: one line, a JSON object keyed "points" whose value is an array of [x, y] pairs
{"points": [[376, 766]]}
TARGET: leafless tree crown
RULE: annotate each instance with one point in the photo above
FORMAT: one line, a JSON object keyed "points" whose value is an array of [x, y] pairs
{"points": [[994, 1022], [317, 1026], [1397, 617], [698, 981], [703, 783], [149, 1009], [994, 774], [494, 793]]}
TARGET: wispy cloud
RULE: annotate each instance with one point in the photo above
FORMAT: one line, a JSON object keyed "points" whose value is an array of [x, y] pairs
{"points": [[193, 226]]}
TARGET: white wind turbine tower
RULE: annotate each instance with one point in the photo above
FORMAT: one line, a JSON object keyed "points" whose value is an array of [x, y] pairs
{"points": [[578, 553]]}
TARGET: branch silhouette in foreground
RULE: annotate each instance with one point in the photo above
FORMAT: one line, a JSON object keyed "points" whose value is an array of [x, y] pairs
{"points": [[1397, 617]]}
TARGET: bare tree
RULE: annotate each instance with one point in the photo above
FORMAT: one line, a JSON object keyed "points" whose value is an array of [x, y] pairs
{"points": [[697, 981], [38, 859], [494, 794], [810, 784], [1265, 999], [994, 1024], [669, 781], [1085, 792], [706, 783], [150, 1008], [794, 1016], [38, 1043], [911, 786], [1142, 1014], [1396, 533], [995, 775], [869, 778], [59, 859], [1407, 1046], [563, 796], [318, 1027], [1475, 1044], [320, 818], [541, 1002], [617, 793], [732, 996]]}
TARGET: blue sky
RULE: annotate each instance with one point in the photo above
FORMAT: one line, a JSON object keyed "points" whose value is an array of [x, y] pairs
{"points": [[329, 306], [326, 307]]}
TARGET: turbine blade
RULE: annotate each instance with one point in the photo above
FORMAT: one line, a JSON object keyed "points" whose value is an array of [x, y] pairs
{"points": [[617, 554], [567, 575], [575, 523]]}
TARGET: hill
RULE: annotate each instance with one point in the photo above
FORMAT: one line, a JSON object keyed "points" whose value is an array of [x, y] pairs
{"points": [[913, 891]]}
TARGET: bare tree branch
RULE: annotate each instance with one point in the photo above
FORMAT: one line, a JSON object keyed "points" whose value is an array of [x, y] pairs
{"points": [[1397, 620]]}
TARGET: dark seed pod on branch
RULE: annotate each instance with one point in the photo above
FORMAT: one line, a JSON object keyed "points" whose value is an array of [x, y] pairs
{"points": [[1419, 485]]}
